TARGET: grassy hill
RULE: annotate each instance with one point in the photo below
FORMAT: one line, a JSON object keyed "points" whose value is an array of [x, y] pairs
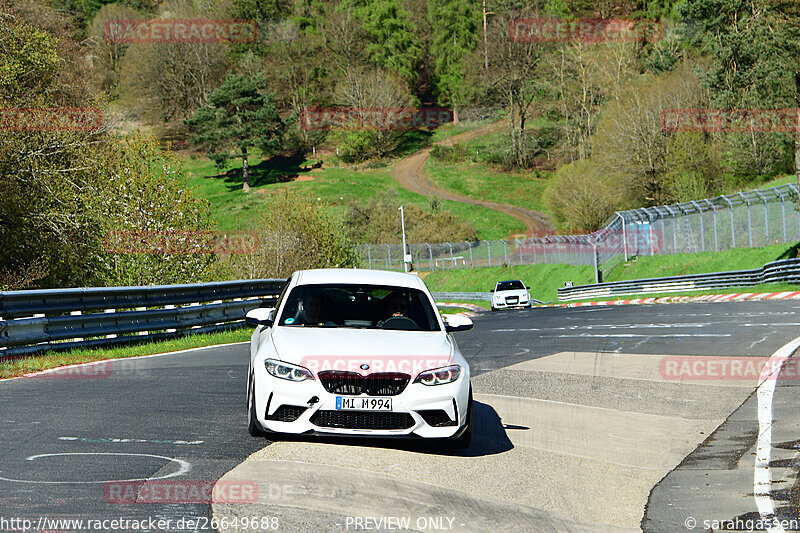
{"points": [[336, 185]]}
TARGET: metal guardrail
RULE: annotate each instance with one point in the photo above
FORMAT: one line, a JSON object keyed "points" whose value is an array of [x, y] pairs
{"points": [[479, 296], [776, 271], [484, 296], [56, 319]]}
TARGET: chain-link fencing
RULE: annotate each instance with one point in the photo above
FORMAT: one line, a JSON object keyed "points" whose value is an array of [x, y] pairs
{"points": [[744, 220]]}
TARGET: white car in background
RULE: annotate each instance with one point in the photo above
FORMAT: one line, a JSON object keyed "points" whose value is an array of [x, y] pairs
{"points": [[510, 294], [358, 353]]}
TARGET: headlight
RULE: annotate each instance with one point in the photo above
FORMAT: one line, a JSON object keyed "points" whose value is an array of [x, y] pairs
{"points": [[439, 376], [283, 370]]}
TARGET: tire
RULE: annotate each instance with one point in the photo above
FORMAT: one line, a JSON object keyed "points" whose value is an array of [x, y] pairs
{"points": [[253, 427], [494, 308], [463, 441]]}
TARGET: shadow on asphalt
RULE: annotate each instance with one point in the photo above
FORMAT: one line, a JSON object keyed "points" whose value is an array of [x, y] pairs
{"points": [[488, 438]]}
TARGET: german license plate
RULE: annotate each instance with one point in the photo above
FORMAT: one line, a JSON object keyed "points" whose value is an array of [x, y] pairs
{"points": [[363, 404]]}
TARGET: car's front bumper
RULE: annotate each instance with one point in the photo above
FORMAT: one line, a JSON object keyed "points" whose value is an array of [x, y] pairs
{"points": [[504, 305], [319, 409]]}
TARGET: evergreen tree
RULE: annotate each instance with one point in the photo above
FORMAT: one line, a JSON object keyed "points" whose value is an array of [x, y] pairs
{"points": [[456, 26], [239, 115]]}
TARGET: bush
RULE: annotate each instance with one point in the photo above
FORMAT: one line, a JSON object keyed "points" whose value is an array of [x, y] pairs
{"points": [[449, 154], [578, 199], [378, 221], [295, 233]]}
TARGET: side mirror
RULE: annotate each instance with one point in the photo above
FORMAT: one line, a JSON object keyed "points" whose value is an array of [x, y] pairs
{"points": [[261, 316], [457, 323], [528, 288], [491, 290]]}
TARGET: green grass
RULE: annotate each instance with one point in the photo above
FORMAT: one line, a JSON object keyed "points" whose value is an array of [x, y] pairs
{"points": [[699, 263], [542, 279], [449, 130], [764, 287], [480, 181], [545, 279], [233, 209], [18, 367], [784, 180]]}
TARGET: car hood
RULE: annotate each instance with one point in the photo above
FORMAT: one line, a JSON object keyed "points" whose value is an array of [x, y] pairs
{"points": [[348, 349]]}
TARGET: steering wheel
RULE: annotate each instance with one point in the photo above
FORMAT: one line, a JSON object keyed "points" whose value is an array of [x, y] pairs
{"points": [[400, 322]]}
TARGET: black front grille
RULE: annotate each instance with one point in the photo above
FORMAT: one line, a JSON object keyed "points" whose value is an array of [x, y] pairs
{"points": [[361, 420], [352, 383], [437, 418], [286, 413]]}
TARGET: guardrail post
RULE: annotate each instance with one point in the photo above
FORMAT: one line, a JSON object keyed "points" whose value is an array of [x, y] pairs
{"points": [[702, 226], [766, 217], [714, 215], [505, 250], [369, 256], [471, 262], [452, 260], [519, 247], [533, 246], [733, 228], [674, 230], [596, 266], [796, 191], [489, 252], [430, 252], [624, 238], [112, 335], [749, 220], [783, 215], [389, 255]]}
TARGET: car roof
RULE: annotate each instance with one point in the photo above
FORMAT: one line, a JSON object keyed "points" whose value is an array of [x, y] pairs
{"points": [[510, 280], [320, 276]]}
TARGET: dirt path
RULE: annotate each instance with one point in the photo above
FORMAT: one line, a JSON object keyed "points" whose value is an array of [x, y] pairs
{"points": [[410, 173]]}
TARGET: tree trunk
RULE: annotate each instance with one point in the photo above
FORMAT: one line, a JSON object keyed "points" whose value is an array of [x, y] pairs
{"points": [[245, 171], [455, 114]]}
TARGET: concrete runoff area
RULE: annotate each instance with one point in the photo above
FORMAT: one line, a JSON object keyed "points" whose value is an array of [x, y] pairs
{"points": [[586, 461]]}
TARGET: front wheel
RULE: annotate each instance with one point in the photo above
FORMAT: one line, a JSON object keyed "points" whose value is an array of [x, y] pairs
{"points": [[494, 308], [253, 427], [463, 441]]}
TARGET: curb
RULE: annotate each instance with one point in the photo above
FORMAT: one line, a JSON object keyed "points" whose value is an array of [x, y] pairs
{"points": [[473, 309], [708, 298]]}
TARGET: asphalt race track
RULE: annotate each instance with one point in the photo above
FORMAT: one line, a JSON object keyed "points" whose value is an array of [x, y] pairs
{"points": [[620, 418]]}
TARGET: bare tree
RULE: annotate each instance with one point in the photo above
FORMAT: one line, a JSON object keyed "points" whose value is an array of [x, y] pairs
{"points": [[515, 73], [172, 80], [106, 54]]}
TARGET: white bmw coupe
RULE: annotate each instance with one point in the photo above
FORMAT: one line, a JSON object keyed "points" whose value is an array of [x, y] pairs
{"points": [[358, 353]]}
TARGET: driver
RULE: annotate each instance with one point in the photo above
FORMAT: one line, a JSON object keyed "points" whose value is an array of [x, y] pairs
{"points": [[310, 309], [396, 305]]}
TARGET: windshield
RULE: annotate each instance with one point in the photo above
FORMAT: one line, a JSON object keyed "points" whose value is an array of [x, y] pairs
{"points": [[510, 286], [359, 306]]}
